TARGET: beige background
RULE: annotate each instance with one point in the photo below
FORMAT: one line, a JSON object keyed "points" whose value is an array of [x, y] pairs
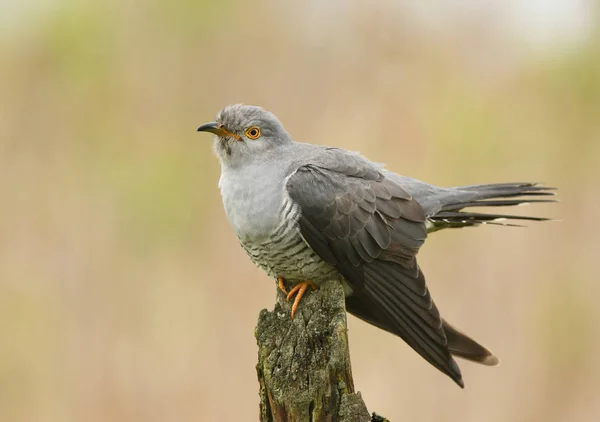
{"points": [[123, 293]]}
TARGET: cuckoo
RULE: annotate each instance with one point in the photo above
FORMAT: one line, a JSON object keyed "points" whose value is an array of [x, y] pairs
{"points": [[309, 213]]}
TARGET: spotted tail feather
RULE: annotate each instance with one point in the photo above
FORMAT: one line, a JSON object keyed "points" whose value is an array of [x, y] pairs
{"points": [[452, 214], [461, 345]]}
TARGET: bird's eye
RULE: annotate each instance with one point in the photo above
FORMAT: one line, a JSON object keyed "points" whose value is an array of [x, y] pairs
{"points": [[253, 132]]}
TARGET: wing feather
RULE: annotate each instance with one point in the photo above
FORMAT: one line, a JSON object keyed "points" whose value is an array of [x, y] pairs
{"points": [[371, 229]]}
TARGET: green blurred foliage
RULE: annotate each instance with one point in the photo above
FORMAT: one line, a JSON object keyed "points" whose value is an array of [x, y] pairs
{"points": [[123, 292]]}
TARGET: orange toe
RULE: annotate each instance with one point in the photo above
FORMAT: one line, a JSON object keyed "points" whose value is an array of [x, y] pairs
{"points": [[281, 284], [299, 290]]}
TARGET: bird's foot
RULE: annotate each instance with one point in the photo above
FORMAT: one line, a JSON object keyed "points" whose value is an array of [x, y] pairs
{"points": [[299, 290], [281, 284]]}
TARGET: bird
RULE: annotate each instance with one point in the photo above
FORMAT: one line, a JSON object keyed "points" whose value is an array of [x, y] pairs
{"points": [[308, 213]]}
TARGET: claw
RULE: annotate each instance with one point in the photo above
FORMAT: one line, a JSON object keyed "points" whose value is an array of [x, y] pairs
{"points": [[281, 284], [299, 290]]}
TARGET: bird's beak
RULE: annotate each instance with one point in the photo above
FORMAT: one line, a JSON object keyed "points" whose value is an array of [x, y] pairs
{"points": [[217, 129]]}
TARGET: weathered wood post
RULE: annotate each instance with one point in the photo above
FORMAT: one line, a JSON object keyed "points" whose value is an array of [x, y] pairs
{"points": [[304, 364]]}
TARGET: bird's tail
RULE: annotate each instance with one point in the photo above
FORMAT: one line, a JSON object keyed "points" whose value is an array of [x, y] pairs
{"points": [[451, 215], [463, 346]]}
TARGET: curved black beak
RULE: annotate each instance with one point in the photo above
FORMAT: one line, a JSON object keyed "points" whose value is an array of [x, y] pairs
{"points": [[217, 129], [212, 127]]}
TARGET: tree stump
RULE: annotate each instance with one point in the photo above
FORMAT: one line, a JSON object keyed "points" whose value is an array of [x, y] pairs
{"points": [[304, 364]]}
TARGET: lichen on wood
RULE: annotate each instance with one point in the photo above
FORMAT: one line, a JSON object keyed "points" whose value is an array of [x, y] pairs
{"points": [[303, 365]]}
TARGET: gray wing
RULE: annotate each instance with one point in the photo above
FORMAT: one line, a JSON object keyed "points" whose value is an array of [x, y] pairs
{"points": [[370, 229]]}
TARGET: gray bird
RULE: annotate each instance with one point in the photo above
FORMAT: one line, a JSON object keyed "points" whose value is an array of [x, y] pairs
{"points": [[308, 213]]}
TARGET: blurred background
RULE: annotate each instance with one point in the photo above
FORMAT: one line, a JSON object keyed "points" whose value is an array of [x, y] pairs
{"points": [[124, 295]]}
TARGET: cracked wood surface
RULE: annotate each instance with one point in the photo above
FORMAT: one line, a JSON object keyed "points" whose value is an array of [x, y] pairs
{"points": [[304, 364]]}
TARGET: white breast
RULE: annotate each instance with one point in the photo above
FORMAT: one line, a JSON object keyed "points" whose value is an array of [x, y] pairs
{"points": [[252, 203]]}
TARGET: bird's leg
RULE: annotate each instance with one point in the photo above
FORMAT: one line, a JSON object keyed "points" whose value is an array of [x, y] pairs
{"points": [[299, 290], [281, 284]]}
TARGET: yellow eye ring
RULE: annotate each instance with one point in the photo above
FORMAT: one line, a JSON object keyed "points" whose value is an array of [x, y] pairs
{"points": [[253, 132]]}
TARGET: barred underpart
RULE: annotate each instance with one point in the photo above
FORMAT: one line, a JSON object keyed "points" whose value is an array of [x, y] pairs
{"points": [[285, 253]]}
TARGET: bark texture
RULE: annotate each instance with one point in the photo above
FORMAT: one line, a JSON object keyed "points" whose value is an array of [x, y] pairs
{"points": [[304, 364]]}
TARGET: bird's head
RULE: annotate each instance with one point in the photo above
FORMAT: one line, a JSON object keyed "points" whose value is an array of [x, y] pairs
{"points": [[245, 133]]}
